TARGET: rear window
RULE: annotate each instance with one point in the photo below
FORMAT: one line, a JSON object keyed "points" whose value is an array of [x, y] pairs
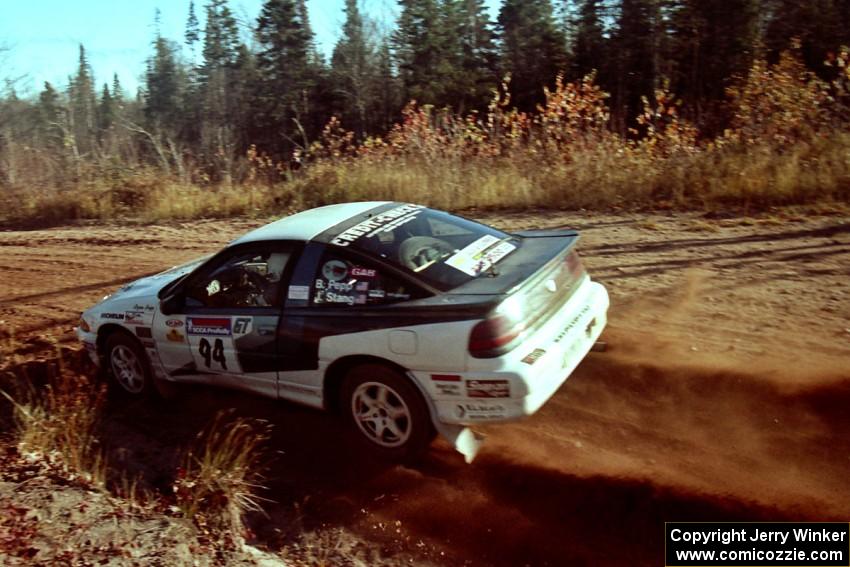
{"points": [[437, 248]]}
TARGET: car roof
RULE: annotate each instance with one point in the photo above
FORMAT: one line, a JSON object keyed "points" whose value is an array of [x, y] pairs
{"points": [[308, 224]]}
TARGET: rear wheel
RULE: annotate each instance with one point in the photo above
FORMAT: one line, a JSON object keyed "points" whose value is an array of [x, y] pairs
{"points": [[387, 411], [128, 364]]}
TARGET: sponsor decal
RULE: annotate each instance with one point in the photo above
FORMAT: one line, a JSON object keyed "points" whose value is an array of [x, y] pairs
{"points": [[384, 222], [138, 307], [299, 292], [134, 317], [377, 294], [149, 344], [242, 325], [534, 356], [488, 389], [216, 326], [174, 323], [175, 336], [361, 299], [362, 286], [448, 388], [143, 332], [363, 272], [113, 316], [213, 288], [572, 324], [402, 296], [479, 410], [334, 270], [480, 255]]}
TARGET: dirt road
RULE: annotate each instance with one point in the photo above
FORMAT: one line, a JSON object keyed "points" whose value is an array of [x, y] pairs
{"points": [[724, 395]]}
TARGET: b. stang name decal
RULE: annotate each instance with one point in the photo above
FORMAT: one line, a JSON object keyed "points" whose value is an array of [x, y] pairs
{"points": [[208, 326]]}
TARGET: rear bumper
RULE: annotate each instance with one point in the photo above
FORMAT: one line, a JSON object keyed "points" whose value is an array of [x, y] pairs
{"points": [[518, 383]]}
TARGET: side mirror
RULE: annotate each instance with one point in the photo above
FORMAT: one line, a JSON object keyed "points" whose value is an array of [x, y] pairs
{"points": [[171, 304]]}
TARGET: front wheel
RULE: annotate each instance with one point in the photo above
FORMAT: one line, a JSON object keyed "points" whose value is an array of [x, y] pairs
{"points": [[128, 364], [387, 411]]}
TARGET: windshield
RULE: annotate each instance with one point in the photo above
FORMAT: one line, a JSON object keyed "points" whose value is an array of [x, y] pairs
{"points": [[440, 249]]}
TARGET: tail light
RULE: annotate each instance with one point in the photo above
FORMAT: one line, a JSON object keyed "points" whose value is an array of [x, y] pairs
{"points": [[494, 335]]}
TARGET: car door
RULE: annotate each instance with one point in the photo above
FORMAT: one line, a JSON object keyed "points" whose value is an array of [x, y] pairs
{"points": [[332, 293], [225, 332]]}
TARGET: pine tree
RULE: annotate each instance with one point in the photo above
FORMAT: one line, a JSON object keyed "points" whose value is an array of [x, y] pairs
{"points": [[533, 49], [635, 55], [164, 82], [83, 105], [475, 68], [352, 71], [713, 42], [589, 47], [817, 24], [388, 99], [50, 116], [419, 40], [105, 112], [193, 30], [283, 62], [221, 37], [117, 91]]}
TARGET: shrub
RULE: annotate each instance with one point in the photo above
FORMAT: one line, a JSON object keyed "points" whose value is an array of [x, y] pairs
{"points": [[220, 476]]}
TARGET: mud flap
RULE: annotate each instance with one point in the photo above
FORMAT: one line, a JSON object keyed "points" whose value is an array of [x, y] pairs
{"points": [[465, 441]]}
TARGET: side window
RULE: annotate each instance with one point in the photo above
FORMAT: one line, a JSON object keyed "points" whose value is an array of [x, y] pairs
{"points": [[251, 279], [342, 282]]}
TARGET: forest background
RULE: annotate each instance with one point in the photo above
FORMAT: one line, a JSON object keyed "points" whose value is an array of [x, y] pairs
{"points": [[567, 104]]}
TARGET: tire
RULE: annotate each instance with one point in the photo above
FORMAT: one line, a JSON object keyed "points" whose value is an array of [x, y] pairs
{"points": [[128, 365], [386, 412]]}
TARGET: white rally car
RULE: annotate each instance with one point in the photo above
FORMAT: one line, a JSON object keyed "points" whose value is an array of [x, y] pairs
{"points": [[408, 320]]}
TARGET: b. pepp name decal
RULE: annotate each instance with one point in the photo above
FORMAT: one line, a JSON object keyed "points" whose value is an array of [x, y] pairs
{"points": [[208, 326]]}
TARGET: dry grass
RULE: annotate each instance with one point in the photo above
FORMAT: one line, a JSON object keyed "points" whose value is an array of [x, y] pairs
{"points": [[55, 428], [221, 476], [787, 144]]}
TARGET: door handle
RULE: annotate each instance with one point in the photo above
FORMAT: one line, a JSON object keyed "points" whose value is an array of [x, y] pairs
{"points": [[266, 330]]}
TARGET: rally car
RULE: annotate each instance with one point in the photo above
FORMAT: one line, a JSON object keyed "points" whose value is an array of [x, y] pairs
{"points": [[407, 320]]}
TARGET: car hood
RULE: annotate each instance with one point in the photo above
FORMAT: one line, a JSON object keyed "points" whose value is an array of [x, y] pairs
{"points": [[148, 287]]}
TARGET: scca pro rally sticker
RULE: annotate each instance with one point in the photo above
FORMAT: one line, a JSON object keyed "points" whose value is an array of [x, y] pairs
{"points": [[211, 340], [480, 255], [210, 326]]}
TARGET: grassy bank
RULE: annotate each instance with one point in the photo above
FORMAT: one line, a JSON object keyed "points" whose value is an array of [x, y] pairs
{"points": [[600, 178], [787, 143]]}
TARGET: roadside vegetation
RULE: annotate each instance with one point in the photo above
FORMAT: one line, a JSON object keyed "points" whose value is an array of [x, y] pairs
{"points": [[787, 144], [53, 452], [452, 103]]}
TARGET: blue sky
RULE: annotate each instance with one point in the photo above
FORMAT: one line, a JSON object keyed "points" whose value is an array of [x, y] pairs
{"points": [[42, 36]]}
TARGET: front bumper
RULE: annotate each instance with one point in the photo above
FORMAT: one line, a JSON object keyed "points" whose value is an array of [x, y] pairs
{"points": [[89, 341], [518, 383]]}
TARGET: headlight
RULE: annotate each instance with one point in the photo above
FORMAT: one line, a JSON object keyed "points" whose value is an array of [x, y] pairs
{"points": [[84, 326]]}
